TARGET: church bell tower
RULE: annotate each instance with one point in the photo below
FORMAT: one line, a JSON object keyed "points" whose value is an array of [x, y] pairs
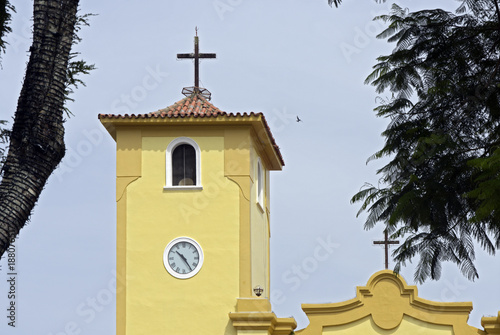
{"points": [[192, 193]]}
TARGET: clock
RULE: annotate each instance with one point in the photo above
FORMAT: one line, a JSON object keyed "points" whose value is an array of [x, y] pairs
{"points": [[183, 257]]}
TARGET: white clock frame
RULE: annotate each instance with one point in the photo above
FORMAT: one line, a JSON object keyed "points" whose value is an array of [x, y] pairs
{"points": [[167, 250]]}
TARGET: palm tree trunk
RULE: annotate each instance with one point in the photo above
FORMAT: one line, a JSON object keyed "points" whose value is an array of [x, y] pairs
{"points": [[37, 139]]}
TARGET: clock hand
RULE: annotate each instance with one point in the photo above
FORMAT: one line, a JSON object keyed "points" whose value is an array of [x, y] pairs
{"points": [[185, 260]]}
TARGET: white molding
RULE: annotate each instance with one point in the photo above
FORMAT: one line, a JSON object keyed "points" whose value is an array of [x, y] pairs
{"points": [[183, 187], [168, 163]]}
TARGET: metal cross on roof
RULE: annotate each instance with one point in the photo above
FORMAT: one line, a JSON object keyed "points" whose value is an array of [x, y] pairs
{"points": [[386, 243], [196, 56]]}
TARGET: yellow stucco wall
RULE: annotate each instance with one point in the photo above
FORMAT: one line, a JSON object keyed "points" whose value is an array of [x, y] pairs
{"points": [[223, 218], [155, 300], [408, 326]]}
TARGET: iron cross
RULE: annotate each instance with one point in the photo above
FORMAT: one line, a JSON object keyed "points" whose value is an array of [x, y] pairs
{"points": [[386, 243], [196, 56]]}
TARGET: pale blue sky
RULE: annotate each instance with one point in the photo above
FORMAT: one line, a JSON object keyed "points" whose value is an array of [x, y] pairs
{"points": [[283, 58]]}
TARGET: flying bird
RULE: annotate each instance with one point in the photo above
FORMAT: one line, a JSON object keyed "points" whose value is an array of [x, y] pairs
{"points": [[298, 119]]}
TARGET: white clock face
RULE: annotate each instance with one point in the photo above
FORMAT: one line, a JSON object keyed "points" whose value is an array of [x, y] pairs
{"points": [[183, 257]]}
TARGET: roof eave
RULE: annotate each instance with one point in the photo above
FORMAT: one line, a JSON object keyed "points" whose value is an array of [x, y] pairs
{"points": [[256, 120]]}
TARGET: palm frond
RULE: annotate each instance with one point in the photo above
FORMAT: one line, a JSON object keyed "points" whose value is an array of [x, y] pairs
{"points": [[441, 187]]}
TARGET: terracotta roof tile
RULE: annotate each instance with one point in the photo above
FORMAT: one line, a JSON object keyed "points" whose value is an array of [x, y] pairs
{"points": [[192, 106], [195, 106]]}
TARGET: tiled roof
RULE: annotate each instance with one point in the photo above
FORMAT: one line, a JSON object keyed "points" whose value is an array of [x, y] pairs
{"points": [[192, 106], [195, 106]]}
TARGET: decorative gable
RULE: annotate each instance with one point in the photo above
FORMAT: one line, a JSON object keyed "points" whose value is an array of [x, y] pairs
{"points": [[385, 305]]}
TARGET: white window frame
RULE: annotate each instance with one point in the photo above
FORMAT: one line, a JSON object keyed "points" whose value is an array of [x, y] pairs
{"points": [[168, 164], [260, 184]]}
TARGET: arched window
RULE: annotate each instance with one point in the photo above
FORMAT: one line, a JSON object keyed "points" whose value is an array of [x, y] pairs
{"points": [[183, 164]]}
